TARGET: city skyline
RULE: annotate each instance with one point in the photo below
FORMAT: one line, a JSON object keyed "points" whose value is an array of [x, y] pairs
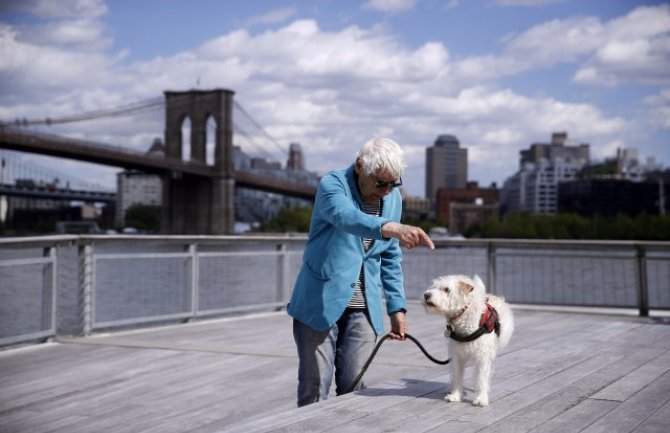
{"points": [[329, 75]]}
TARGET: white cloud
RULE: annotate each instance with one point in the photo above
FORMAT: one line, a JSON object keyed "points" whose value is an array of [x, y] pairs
{"points": [[641, 22], [30, 70], [607, 149], [635, 47], [74, 35], [389, 6], [303, 55], [274, 16], [57, 9], [632, 48], [556, 41], [527, 2], [66, 50], [659, 109], [541, 46]]}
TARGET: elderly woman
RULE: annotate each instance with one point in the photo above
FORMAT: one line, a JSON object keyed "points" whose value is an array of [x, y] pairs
{"points": [[352, 256]]}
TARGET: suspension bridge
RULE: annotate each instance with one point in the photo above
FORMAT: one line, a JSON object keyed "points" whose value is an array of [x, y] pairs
{"points": [[198, 174]]}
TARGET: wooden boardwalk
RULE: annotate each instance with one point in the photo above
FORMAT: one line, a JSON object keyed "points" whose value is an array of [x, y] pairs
{"points": [[562, 372]]}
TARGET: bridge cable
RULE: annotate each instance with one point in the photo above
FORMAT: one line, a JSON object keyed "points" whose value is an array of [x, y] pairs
{"points": [[237, 128], [135, 107], [282, 149]]}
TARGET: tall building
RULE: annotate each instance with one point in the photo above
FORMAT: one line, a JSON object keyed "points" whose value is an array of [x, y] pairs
{"points": [[136, 187], [296, 158], [471, 194], [557, 148], [620, 185], [534, 188], [414, 208], [612, 197], [446, 165]]}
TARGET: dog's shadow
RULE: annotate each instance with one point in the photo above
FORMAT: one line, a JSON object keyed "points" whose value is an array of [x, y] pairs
{"points": [[411, 388]]}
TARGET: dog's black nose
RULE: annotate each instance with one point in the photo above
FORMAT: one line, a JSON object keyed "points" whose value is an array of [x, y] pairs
{"points": [[426, 296]]}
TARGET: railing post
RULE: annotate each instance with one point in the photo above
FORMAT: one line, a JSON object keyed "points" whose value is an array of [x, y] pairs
{"points": [[642, 283], [195, 279], [491, 268], [52, 253], [86, 278], [282, 272]]}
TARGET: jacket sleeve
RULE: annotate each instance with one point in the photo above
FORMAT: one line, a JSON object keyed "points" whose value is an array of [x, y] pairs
{"points": [[391, 269], [392, 279], [337, 208]]}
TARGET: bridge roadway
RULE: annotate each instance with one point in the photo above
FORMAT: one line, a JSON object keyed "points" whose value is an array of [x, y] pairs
{"points": [[54, 145], [562, 372], [58, 193]]}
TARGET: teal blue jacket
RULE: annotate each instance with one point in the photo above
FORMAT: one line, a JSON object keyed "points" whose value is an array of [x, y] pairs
{"points": [[334, 254]]}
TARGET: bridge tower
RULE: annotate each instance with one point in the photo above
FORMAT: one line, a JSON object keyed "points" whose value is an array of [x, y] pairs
{"points": [[197, 205]]}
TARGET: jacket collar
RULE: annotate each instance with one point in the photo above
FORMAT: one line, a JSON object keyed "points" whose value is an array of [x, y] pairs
{"points": [[352, 180]]}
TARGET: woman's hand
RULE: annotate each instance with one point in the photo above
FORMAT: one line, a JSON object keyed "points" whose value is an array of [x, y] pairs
{"points": [[398, 326], [409, 236]]}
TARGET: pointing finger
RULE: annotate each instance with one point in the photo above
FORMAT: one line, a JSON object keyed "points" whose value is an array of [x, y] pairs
{"points": [[425, 240]]}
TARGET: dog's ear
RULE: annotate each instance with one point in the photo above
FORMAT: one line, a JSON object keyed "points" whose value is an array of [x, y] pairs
{"points": [[465, 287]]}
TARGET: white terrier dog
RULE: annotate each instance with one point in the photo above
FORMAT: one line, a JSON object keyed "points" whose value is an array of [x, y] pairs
{"points": [[478, 325]]}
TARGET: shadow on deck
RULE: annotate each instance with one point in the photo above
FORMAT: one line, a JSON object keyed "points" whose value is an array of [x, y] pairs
{"points": [[563, 372]]}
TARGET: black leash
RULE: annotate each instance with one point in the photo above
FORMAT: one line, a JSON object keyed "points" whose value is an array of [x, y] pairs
{"points": [[374, 352]]}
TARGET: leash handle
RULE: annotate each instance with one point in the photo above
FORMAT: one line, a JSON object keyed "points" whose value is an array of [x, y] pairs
{"points": [[376, 349]]}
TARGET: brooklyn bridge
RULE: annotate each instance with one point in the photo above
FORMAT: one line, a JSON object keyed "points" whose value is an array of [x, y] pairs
{"points": [[198, 188]]}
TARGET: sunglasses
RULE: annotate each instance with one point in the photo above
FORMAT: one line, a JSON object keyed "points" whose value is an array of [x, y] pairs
{"points": [[383, 184]]}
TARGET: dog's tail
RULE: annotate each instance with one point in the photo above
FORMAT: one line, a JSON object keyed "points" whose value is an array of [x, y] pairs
{"points": [[506, 319]]}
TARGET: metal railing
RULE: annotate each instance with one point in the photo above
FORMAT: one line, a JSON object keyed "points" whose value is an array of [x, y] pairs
{"points": [[28, 287], [80, 284]]}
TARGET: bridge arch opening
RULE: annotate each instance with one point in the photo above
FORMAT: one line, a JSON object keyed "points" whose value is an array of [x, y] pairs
{"points": [[186, 147], [210, 140]]}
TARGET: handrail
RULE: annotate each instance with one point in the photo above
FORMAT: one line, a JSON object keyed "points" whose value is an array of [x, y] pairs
{"points": [[301, 237], [77, 276]]}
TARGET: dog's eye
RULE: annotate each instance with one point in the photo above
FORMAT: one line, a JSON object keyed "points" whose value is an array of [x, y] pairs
{"points": [[445, 289]]}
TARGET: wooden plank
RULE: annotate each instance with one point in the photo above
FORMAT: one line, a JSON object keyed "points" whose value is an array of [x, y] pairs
{"points": [[35, 422], [373, 422], [636, 410], [90, 380], [563, 399], [578, 417], [656, 423], [636, 380], [421, 424], [540, 389], [330, 420], [240, 375]]}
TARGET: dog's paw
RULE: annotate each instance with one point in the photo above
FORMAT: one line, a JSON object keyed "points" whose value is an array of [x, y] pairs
{"points": [[452, 397], [481, 401]]}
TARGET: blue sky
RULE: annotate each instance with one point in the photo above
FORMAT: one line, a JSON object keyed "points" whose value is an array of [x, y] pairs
{"points": [[498, 74]]}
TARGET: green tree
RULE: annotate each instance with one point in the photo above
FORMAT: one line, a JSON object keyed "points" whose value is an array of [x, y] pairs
{"points": [[572, 226], [425, 224], [290, 220], [144, 218]]}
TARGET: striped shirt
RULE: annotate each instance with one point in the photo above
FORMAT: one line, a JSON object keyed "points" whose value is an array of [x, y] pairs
{"points": [[358, 300]]}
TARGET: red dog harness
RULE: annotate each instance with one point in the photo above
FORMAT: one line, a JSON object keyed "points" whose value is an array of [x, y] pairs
{"points": [[490, 321], [487, 323]]}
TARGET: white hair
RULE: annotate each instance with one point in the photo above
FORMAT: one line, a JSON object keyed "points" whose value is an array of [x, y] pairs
{"points": [[382, 155]]}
